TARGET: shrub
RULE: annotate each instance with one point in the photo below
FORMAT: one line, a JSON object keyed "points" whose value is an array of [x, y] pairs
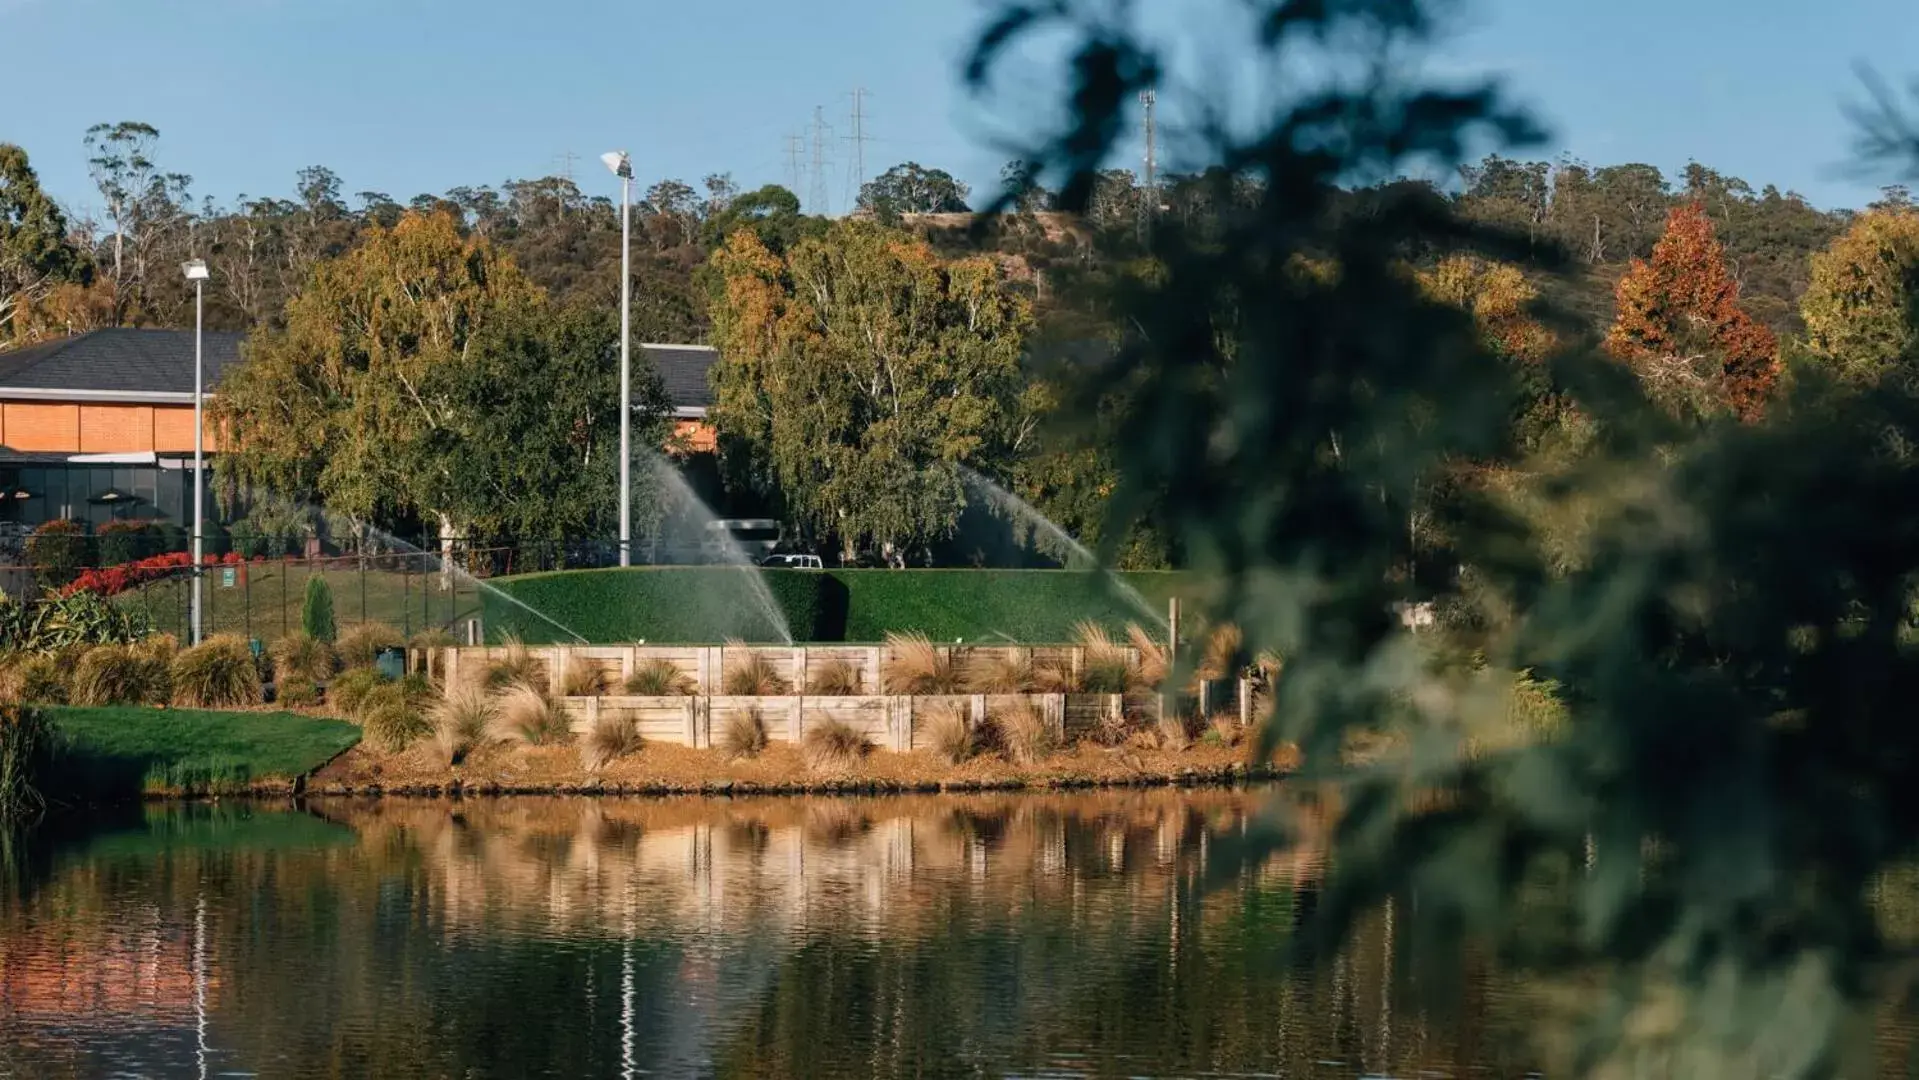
{"points": [[832, 746], [914, 665], [949, 733], [518, 666], [361, 644], [463, 721], [38, 679], [754, 676], [316, 611], [1005, 673], [1022, 733], [1150, 664], [301, 657], [1173, 731], [660, 678], [219, 671], [392, 719], [835, 678], [529, 715], [612, 738], [437, 637], [119, 675], [57, 550], [1222, 655], [114, 580], [743, 735], [349, 692], [1109, 667], [581, 678], [297, 693], [119, 542]]}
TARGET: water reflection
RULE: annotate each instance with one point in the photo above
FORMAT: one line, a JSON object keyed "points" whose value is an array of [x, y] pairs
{"points": [[1107, 934]]}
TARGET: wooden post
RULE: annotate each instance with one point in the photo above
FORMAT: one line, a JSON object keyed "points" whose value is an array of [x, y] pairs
{"points": [[976, 712], [703, 723], [592, 713], [629, 663], [452, 663], [1053, 708], [796, 719], [904, 707], [704, 671], [1116, 707], [874, 669], [1245, 703], [799, 669]]}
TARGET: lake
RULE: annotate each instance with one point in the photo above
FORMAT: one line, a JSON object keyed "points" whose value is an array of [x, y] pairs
{"points": [[1101, 934]]}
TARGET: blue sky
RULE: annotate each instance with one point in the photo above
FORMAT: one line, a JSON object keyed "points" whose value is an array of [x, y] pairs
{"points": [[405, 96]]}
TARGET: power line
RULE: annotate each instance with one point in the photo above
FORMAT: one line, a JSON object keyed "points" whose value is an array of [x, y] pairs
{"points": [[817, 199], [856, 174], [566, 158]]}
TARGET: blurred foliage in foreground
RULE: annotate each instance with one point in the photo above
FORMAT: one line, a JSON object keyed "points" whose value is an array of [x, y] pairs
{"points": [[1719, 583]]}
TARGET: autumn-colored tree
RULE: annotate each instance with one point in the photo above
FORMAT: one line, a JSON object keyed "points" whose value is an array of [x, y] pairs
{"points": [[1679, 323], [1860, 307], [860, 371]]}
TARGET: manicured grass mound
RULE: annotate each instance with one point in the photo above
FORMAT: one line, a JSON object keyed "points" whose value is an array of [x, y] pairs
{"points": [[117, 753], [707, 604]]}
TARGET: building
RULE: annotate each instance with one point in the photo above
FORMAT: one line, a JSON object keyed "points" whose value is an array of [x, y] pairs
{"points": [[683, 368], [100, 425]]}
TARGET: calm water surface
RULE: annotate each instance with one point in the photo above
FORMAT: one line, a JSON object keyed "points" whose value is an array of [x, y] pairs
{"points": [[1098, 935]]}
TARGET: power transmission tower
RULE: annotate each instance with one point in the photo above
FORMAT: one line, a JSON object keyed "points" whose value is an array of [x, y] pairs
{"points": [[856, 172], [1149, 191], [818, 201], [795, 145], [566, 158]]}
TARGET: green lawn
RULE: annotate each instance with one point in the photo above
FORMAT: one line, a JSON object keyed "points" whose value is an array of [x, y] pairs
{"points": [[123, 752], [264, 599]]}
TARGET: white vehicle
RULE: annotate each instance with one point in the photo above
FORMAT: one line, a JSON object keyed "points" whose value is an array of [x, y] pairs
{"points": [[793, 562]]}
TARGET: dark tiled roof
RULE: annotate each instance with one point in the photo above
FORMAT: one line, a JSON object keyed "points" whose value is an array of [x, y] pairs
{"points": [[118, 361], [683, 369]]}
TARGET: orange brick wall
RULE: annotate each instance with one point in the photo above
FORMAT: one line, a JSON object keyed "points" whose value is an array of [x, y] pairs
{"points": [[695, 436], [98, 429]]}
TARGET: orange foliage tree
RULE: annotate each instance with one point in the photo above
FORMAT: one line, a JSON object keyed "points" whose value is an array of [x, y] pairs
{"points": [[1680, 326]]}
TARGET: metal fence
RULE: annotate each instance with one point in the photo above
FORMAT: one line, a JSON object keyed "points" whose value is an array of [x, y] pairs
{"points": [[260, 595]]}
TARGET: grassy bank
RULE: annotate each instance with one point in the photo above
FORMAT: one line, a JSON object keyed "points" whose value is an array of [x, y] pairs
{"points": [[707, 604], [125, 752]]}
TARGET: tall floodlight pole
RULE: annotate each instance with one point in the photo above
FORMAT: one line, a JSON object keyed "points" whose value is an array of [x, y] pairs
{"points": [[196, 272], [622, 167]]}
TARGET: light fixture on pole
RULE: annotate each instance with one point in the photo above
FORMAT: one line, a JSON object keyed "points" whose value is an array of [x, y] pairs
{"points": [[196, 272], [622, 167]]}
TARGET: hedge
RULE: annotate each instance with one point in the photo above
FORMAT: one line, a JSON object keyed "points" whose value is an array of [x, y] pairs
{"points": [[709, 604]]}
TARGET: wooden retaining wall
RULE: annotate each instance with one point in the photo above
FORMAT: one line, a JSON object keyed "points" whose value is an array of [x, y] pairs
{"points": [[798, 667], [896, 722]]}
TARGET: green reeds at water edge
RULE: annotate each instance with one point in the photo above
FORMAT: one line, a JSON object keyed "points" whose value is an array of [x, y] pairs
{"points": [[26, 740]]}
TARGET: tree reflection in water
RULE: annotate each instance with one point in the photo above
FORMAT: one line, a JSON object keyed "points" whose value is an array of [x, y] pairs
{"points": [[1102, 934]]}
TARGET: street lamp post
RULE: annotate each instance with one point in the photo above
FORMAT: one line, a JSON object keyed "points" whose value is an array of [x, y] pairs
{"points": [[196, 272], [622, 167]]}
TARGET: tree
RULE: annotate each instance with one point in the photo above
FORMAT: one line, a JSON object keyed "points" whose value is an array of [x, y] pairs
{"points": [[1862, 306], [911, 188], [35, 255], [860, 372], [346, 403], [1680, 325], [316, 610], [771, 212], [1499, 298], [534, 433], [144, 203]]}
